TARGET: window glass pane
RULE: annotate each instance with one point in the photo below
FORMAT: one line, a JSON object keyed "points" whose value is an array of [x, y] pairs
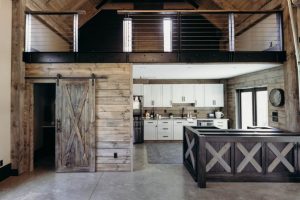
{"points": [[167, 35], [246, 109], [127, 35], [262, 108]]}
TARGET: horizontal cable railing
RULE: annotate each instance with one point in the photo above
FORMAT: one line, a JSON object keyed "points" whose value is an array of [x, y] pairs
{"points": [[165, 32], [215, 31]]}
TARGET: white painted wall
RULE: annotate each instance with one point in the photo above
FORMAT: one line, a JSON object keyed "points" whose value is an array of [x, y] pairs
{"points": [[5, 66]]}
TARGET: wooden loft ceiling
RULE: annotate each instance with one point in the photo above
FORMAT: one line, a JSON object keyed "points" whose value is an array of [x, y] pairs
{"points": [[93, 7]]}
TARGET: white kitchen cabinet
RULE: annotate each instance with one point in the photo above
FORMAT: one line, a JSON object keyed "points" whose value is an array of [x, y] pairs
{"points": [[157, 95], [150, 129], [190, 122], [178, 129], [221, 123], [214, 95], [138, 89], [183, 93], [199, 95], [167, 95], [189, 93], [152, 95], [165, 130], [148, 101]]}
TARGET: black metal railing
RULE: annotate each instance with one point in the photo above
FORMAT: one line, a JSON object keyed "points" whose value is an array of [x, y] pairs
{"points": [[217, 31]]}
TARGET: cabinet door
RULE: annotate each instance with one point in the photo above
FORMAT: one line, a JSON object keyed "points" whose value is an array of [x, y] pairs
{"points": [[150, 130], [148, 101], [221, 123], [190, 123], [178, 130], [188, 93], [167, 95], [157, 95], [199, 95], [177, 92], [214, 95], [138, 89]]}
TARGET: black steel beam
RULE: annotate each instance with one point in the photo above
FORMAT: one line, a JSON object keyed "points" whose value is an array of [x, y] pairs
{"points": [[176, 57]]}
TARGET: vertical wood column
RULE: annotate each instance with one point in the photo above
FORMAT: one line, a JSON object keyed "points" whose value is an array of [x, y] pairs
{"points": [[17, 85], [290, 76]]}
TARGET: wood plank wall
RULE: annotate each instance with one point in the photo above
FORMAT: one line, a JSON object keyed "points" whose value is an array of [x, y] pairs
{"points": [[113, 108], [270, 78]]}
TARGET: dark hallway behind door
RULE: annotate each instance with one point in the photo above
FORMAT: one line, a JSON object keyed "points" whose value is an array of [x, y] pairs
{"points": [[44, 126]]}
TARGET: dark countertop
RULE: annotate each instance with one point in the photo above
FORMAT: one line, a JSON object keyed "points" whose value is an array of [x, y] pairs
{"points": [[241, 132]]}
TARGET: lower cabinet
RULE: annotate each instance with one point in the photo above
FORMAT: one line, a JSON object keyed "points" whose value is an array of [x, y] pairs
{"points": [[178, 127], [150, 129], [173, 129], [221, 123], [165, 130]]}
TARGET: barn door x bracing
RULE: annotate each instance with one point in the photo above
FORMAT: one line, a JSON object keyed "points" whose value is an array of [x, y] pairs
{"points": [[75, 126]]}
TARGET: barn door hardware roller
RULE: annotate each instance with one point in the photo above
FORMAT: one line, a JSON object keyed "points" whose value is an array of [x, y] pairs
{"points": [[58, 76], [93, 78]]}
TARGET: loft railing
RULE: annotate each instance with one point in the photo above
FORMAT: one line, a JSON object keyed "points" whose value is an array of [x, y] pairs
{"points": [[167, 31], [51, 31], [198, 31]]}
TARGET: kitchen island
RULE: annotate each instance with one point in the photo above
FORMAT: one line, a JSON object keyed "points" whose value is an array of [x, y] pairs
{"points": [[241, 155]]}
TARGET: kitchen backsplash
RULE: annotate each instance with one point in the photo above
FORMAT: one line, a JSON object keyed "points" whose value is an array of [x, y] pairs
{"points": [[176, 110]]}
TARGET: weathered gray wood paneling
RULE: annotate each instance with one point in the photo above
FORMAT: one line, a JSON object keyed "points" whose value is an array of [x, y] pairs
{"points": [[271, 78], [113, 108]]}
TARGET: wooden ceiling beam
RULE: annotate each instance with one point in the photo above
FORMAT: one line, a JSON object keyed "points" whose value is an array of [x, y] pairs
{"points": [[51, 21]]}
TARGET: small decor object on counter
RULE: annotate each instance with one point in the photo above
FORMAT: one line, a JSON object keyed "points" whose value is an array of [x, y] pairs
{"points": [[210, 115], [136, 103], [276, 97], [147, 114], [219, 114]]}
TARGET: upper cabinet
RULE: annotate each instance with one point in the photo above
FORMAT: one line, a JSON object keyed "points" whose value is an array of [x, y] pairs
{"points": [[164, 95], [214, 95], [152, 95], [138, 89], [167, 95], [199, 95], [183, 93], [157, 95]]}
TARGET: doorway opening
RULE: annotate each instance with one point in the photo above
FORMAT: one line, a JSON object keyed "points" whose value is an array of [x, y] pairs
{"points": [[252, 107], [44, 125]]}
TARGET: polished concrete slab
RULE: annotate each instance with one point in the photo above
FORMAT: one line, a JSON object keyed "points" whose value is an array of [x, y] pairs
{"points": [[147, 182]]}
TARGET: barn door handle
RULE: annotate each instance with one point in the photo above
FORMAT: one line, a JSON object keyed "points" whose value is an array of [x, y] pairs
{"points": [[58, 125]]}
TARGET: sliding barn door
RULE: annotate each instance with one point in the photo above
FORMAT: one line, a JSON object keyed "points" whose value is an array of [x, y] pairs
{"points": [[75, 126]]}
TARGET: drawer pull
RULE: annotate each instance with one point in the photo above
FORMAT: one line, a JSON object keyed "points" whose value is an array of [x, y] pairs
{"points": [[150, 122], [165, 129], [179, 122], [165, 136], [165, 122]]}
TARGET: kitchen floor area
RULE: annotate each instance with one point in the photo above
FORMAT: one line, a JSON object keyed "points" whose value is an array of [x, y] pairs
{"points": [[147, 182]]}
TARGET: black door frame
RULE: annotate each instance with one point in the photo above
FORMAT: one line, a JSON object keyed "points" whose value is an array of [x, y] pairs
{"points": [[254, 103]]}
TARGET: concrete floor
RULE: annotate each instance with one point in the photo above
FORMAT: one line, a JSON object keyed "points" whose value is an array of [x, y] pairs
{"points": [[148, 182]]}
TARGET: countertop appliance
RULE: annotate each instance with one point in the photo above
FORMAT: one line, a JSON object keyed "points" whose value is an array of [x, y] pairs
{"points": [[138, 129], [205, 123]]}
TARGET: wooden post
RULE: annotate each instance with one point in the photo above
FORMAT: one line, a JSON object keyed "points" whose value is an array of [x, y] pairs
{"points": [[17, 85], [290, 76]]}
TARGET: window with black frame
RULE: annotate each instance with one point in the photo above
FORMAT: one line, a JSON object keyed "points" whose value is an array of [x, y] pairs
{"points": [[252, 107]]}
